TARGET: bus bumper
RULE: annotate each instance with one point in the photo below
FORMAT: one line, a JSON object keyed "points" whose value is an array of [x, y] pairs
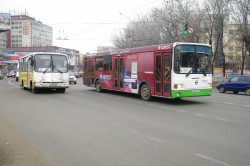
{"points": [[51, 85], [191, 93]]}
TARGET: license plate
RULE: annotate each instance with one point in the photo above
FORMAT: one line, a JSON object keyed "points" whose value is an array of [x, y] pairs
{"points": [[53, 84], [195, 91]]}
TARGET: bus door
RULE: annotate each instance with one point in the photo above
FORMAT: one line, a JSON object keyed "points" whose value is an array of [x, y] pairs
{"points": [[118, 72], [29, 73], [162, 74], [90, 70]]}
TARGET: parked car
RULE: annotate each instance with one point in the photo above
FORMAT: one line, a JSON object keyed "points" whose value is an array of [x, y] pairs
{"points": [[80, 73], [1, 75], [72, 78], [236, 84], [12, 73], [17, 76], [76, 74]]}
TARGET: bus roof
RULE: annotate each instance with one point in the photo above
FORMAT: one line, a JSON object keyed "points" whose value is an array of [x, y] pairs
{"points": [[47, 53], [152, 48]]}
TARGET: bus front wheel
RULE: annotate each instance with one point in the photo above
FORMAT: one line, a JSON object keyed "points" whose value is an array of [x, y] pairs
{"points": [[145, 92], [33, 89], [98, 86]]}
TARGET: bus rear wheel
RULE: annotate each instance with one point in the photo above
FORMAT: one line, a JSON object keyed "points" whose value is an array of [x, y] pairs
{"points": [[98, 86], [145, 92]]}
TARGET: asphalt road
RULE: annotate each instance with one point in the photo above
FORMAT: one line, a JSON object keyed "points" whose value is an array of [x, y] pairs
{"points": [[86, 128]]}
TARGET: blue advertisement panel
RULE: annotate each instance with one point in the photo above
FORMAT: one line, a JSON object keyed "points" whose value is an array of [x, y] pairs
{"points": [[4, 22]]}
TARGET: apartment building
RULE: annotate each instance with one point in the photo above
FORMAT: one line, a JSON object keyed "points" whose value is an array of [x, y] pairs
{"points": [[28, 32]]}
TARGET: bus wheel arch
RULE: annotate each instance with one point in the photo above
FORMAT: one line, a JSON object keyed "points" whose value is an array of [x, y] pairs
{"points": [[144, 91], [98, 85]]}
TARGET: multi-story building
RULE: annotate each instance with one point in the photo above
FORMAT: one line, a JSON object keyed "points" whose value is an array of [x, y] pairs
{"points": [[28, 32], [233, 50], [3, 41]]}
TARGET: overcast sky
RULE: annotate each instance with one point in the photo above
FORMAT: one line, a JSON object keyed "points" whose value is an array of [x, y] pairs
{"points": [[86, 23]]}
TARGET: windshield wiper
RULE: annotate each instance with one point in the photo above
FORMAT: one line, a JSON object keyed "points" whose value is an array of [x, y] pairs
{"points": [[58, 70], [188, 73], [47, 68], [204, 73]]}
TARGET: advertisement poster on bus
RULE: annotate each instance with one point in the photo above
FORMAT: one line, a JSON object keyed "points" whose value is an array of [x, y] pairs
{"points": [[4, 22]]}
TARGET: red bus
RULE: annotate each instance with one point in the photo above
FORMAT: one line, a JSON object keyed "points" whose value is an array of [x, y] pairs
{"points": [[173, 70]]}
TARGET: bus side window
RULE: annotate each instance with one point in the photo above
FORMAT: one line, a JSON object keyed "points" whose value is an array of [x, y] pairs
{"points": [[99, 63]]}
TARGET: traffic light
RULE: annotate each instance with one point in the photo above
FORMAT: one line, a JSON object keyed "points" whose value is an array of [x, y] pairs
{"points": [[185, 29]]}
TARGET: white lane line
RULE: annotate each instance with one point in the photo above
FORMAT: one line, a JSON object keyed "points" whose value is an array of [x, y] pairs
{"points": [[164, 107], [133, 131], [157, 140], [227, 103], [246, 105], [212, 159], [128, 100], [223, 119], [202, 115], [11, 83], [119, 98], [138, 102], [181, 111], [151, 105]]}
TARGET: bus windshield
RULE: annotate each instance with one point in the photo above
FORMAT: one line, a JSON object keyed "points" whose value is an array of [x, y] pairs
{"points": [[192, 59], [50, 63]]}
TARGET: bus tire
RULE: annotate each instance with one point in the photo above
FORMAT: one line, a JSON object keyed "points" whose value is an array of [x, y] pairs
{"points": [[98, 86], [145, 92], [23, 86], [33, 89]]}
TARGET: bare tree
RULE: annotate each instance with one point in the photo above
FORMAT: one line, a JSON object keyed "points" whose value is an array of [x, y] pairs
{"points": [[216, 16], [160, 25], [240, 17]]}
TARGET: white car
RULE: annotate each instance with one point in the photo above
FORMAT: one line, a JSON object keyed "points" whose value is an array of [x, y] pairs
{"points": [[72, 78]]}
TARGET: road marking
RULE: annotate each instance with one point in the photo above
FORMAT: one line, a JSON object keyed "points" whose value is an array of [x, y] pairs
{"points": [[151, 105], [164, 107], [133, 131], [128, 100], [212, 159], [223, 119], [227, 103], [116, 124], [213, 101], [11, 83], [200, 115], [138, 102], [181, 111], [157, 140], [246, 105]]}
